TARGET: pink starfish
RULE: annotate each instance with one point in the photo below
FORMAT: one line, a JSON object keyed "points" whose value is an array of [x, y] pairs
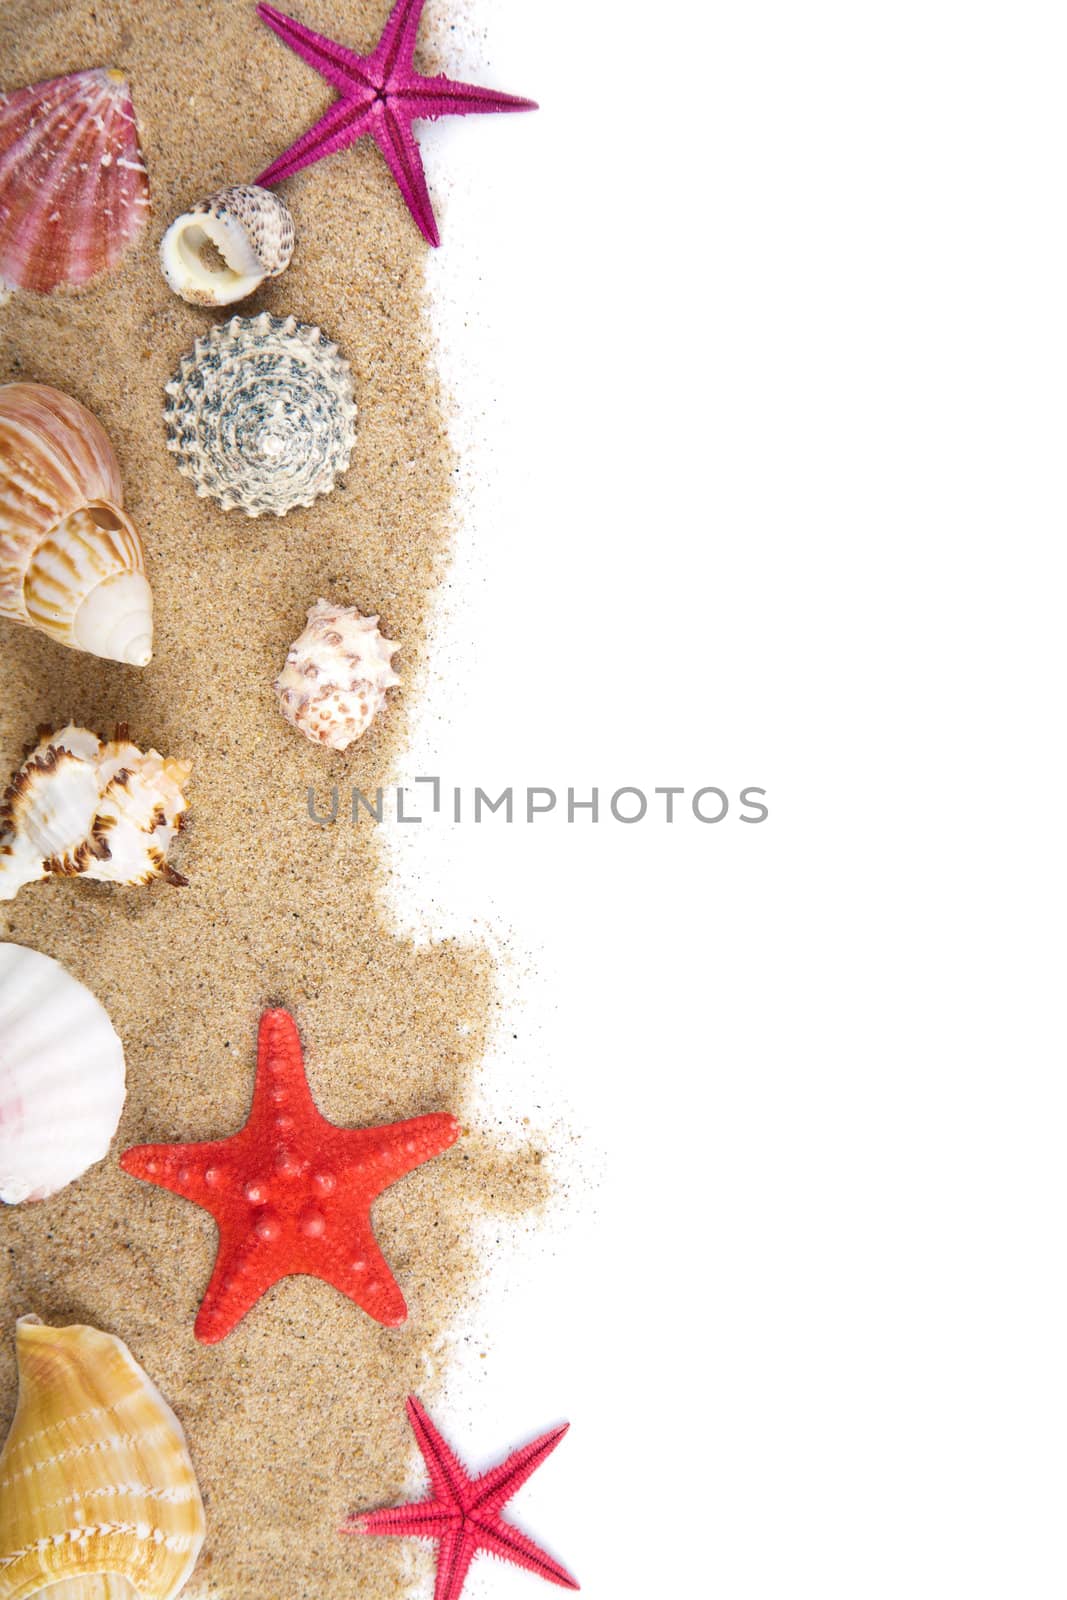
{"points": [[463, 1515], [381, 95]]}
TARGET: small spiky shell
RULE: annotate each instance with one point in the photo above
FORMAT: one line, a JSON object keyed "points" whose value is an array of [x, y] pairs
{"points": [[260, 414], [335, 676], [80, 808], [62, 1077], [71, 560], [223, 249], [73, 186], [96, 1481]]}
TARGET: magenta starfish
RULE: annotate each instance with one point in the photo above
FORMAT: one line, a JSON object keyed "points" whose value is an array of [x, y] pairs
{"points": [[463, 1515], [381, 95]]}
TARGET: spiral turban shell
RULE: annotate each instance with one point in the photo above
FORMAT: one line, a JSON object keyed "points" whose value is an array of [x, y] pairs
{"points": [[261, 414]]}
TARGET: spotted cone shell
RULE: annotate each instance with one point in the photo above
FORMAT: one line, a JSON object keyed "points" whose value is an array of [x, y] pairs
{"points": [[98, 1496], [71, 559], [261, 414], [73, 186]]}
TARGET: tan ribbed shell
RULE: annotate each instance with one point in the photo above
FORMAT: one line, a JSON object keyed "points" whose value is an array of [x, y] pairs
{"points": [[95, 1478], [63, 531]]}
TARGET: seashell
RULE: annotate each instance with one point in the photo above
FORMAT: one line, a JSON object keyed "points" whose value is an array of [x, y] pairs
{"points": [[62, 1077], [223, 248], [79, 808], [335, 676], [260, 414], [98, 1496], [71, 560], [73, 186]]}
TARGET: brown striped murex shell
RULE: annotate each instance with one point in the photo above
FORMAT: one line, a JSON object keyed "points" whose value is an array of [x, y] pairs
{"points": [[98, 1495], [71, 560], [82, 808]]}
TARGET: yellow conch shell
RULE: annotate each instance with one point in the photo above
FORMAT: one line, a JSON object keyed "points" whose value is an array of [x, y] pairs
{"points": [[98, 1498]]}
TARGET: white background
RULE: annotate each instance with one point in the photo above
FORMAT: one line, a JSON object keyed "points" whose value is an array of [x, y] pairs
{"points": [[756, 334]]}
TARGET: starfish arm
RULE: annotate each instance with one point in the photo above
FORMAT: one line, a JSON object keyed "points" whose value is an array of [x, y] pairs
{"points": [[444, 97], [455, 1553], [451, 1484], [345, 122], [343, 68], [502, 1539], [382, 1155], [496, 1487], [359, 1270], [424, 1519], [396, 47], [177, 1167], [395, 140], [242, 1275], [281, 1084]]}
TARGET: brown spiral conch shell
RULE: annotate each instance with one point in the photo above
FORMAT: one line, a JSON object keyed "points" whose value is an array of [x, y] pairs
{"points": [[98, 1495], [71, 560]]}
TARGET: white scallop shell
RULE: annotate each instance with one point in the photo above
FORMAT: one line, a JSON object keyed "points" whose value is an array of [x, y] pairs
{"points": [[80, 808], [62, 1077], [261, 414], [335, 676], [224, 248]]}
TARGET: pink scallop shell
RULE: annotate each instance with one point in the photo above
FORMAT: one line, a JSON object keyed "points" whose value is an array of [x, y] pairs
{"points": [[73, 186]]}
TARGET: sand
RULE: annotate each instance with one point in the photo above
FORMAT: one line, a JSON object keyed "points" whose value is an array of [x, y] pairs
{"points": [[297, 1418]]}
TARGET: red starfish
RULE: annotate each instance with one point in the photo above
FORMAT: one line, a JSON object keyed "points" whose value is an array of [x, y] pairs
{"points": [[464, 1513], [292, 1192], [381, 95]]}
